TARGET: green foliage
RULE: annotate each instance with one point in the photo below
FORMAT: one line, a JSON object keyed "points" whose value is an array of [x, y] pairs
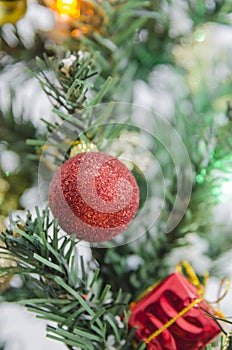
{"points": [[19, 50], [13, 134], [87, 307], [2, 346], [85, 313], [201, 11], [15, 130], [117, 36], [68, 93], [69, 89], [135, 280]]}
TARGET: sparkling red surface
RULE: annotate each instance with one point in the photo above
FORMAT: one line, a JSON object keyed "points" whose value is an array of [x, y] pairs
{"points": [[192, 331], [94, 195]]}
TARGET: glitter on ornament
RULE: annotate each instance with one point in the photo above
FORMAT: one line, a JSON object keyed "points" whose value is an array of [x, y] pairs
{"points": [[94, 196]]}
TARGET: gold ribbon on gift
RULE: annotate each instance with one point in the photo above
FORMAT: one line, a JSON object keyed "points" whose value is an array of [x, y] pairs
{"points": [[227, 341], [173, 320], [192, 277]]}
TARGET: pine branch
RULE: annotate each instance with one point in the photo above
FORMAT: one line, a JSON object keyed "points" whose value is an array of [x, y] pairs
{"points": [[67, 88], [19, 51], [2, 346], [212, 171], [201, 12], [15, 129], [134, 279], [67, 83], [84, 312], [13, 133]]}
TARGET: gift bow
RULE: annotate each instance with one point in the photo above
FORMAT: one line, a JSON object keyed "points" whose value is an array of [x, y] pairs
{"points": [[200, 289], [192, 277]]}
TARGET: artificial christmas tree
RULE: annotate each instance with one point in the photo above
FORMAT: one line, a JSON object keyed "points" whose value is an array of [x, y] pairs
{"points": [[96, 70]]}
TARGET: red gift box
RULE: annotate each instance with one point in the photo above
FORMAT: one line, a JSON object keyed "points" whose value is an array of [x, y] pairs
{"points": [[176, 310]]}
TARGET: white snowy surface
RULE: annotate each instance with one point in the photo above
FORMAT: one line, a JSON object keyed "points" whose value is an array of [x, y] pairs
{"points": [[29, 100], [22, 331], [20, 328]]}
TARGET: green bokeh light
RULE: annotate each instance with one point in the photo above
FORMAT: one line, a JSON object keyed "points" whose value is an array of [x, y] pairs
{"points": [[199, 179], [200, 35]]}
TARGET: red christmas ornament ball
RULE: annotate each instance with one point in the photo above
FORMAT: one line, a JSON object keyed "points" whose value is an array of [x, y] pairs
{"points": [[94, 196]]}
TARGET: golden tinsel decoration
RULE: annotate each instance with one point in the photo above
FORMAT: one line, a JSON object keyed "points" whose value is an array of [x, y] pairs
{"points": [[5, 262]]}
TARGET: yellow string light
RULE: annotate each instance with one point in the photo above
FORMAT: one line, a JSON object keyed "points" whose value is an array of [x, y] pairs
{"points": [[69, 7], [65, 8]]}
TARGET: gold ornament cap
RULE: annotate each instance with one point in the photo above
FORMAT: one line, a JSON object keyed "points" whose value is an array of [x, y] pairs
{"points": [[81, 147]]}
